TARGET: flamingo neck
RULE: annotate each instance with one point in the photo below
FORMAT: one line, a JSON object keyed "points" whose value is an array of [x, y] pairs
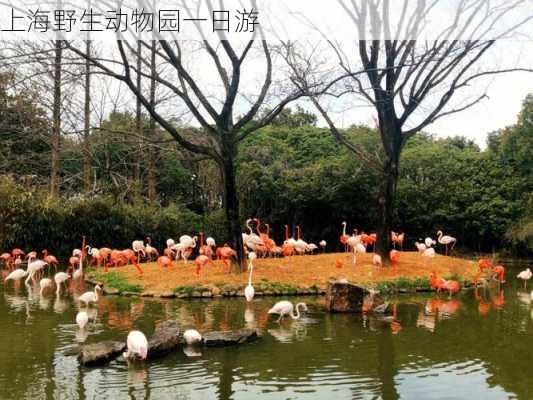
{"points": [[344, 229], [297, 315], [95, 294], [268, 229], [258, 226], [297, 232], [286, 232], [251, 266]]}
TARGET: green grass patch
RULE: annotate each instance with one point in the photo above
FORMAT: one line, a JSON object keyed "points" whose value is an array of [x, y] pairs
{"points": [[403, 283], [279, 287], [116, 280], [188, 290]]}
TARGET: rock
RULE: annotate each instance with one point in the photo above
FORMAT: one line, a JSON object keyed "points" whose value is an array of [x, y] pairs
{"points": [[216, 291], [100, 353], [148, 294], [130, 294], [111, 291], [345, 297], [196, 293], [229, 338], [166, 338], [207, 293], [167, 295]]}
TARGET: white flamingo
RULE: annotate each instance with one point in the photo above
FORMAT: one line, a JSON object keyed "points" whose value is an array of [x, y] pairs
{"points": [[249, 291], [429, 242], [16, 275], [137, 346], [428, 254], [525, 275], [323, 245], [300, 245], [33, 268], [76, 253], [358, 248], [192, 336], [90, 297], [446, 240], [285, 307], [43, 284], [210, 242], [59, 278], [421, 246], [376, 260], [139, 249], [78, 273], [81, 319]]}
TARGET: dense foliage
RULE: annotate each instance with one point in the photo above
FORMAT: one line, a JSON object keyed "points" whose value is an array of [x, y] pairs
{"points": [[290, 172]]}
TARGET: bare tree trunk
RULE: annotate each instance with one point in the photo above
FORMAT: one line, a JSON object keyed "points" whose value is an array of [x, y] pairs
{"points": [[138, 122], [56, 121], [152, 190], [86, 168], [392, 140], [231, 207]]}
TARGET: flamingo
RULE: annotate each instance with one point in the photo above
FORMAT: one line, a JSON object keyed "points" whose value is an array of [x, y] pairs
{"points": [[200, 262], [311, 248], [394, 256], [164, 261], [428, 253], [59, 278], [17, 253], [16, 275], [300, 245], [34, 267], [7, 258], [421, 247], [50, 259], [81, 319], [353, 240], [210, 242], [137, 346], [267, 242], [525, 275], [78, 272], [376, 260], [192, 336], [150, 250], [204, 248], [43, 284], [323, 245], [499, 273], [285, 307], [249, 290], [288, 244], [446, 240], [344, 237], [139, 249], [225, 253], [429, 242], [251, 240], [358, 248], [76, 253], [90, 297]]}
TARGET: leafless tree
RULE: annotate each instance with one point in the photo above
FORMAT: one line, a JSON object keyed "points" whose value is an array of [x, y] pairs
{"points": [[220, 106], [409, 82]]}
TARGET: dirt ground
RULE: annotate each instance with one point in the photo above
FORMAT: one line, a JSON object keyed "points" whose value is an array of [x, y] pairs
{"points": [[298, 271]]}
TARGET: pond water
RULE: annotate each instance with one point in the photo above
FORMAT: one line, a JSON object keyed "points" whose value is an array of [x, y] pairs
{"points": [[476, 345]]}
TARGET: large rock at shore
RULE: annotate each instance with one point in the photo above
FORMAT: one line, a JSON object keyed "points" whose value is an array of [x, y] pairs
{"points": [[166, 338], [344, 297], [100, 353], [229, 338]]}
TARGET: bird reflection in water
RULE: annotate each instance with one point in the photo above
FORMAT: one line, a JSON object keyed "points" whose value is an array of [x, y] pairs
{"points": [[483, 307]]}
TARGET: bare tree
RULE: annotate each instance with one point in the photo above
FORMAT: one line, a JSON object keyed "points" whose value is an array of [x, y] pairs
{"points": [[223, 109], [410, 83]]}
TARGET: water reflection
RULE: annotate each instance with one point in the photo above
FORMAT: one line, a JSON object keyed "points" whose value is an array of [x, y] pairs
{"points": [[425, 342]]}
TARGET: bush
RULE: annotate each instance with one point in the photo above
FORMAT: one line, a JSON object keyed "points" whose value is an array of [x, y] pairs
{"points": [[31, 219]]}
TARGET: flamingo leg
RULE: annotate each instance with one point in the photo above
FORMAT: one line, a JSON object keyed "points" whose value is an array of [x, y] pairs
{"points": [[139, 269]]}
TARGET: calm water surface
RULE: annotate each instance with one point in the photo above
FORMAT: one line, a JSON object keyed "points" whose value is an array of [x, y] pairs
{"points": [[476, 346]]}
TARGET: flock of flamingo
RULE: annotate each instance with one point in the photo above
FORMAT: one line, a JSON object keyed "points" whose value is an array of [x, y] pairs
{"points": [[257, 243]]}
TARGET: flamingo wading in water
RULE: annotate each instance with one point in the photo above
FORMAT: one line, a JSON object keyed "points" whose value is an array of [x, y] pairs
{"points": [[285, 307]]}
